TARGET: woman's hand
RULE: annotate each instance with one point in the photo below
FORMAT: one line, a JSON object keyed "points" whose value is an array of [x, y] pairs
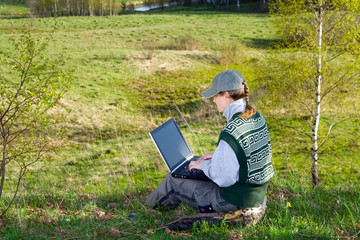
{"points": [[206, 156], [195, 164]]}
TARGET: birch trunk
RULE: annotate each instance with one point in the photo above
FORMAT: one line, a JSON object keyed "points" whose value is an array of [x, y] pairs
{"points": [[71, 8], [263, 5], [68, 7], [44, 6], [91, 7], [238, 5], [110, 8], [315, 125], [78, 8]]}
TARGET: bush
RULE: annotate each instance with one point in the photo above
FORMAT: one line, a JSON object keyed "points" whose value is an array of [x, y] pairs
{"points": [[230, 53], [184, 43]]}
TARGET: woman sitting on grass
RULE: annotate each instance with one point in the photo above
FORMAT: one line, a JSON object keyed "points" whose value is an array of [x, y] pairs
{"points": [[240, 168]]}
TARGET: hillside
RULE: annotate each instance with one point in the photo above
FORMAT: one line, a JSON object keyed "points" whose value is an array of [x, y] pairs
{"points": [[131, 72]]}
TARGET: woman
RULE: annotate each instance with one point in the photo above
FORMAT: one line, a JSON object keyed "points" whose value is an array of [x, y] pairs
{"points": [[240, 167]]}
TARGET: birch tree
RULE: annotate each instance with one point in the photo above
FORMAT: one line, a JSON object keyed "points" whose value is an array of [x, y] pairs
{"points": [[30, 85], [324, 37]]}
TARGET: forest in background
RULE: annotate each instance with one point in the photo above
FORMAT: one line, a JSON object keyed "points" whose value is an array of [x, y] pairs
{"points": [[114, 7]]}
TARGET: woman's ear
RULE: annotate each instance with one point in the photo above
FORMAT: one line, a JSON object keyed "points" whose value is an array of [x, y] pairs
{"points": [[227, 97]]}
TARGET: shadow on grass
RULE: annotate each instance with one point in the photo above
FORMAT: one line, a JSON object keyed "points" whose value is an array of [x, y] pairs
{"points": [[262, 43], [13, 17], [195, 111]]}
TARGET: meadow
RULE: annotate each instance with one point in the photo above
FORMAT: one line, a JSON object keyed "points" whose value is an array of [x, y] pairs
{"points": [[131, 73]]}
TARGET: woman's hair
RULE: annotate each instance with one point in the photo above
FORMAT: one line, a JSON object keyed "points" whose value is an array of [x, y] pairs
{"points": [[242, 93]]}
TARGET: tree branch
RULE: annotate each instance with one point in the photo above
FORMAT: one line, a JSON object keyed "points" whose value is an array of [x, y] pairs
{"points": [[22, 82], [336, 84], [44, 45], [303, 102], [24, 103], [336, 55], [41, 153], [11, 158], [327, 135], [300, 133], [3, 163], [21, 174], [342, 16]]}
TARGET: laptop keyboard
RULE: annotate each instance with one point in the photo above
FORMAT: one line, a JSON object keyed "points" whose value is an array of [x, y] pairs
{"points": [[194, 173], [199, 174]]}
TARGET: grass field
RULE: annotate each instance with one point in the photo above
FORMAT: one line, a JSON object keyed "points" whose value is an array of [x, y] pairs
{"points": [[130, 71]]}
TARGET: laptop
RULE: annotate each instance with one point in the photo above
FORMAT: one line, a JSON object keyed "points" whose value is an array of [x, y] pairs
{"points": [[175, 151]]}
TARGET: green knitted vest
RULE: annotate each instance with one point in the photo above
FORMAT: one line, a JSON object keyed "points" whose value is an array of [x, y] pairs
{"points": [[249, 138]]}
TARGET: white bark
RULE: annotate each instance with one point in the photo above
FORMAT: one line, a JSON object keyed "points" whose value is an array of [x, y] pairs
{"points": [[315, 125], [55, 6], [110, 8], [91, 7]]}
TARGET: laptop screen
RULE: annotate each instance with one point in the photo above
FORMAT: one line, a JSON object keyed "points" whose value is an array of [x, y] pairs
{"points": [[171, 143]]}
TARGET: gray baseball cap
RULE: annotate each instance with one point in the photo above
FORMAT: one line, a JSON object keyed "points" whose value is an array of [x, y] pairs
{"points": [[224, 81]]}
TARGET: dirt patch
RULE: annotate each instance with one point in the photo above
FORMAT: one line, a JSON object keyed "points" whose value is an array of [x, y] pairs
{"points": [[151, 61]]}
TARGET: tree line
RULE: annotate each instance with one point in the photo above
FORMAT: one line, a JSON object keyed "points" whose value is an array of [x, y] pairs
{"points": [[75, 7], [113, 7], [260, 6]]}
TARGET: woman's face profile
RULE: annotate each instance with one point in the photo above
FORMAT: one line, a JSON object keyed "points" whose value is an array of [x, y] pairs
{"points": [[222, 101]]}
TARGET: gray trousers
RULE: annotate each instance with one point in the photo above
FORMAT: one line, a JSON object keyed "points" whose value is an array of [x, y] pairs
{"points": [[204, 195]]}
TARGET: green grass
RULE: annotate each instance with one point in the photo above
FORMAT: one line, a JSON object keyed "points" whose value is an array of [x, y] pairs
{"points": [[130, 70], [13, 9]]}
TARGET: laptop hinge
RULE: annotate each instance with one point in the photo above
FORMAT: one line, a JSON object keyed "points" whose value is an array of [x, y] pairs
{"points": [[189, 157], [186, 159]]}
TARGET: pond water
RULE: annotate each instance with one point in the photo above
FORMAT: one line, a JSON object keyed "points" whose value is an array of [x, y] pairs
{"points": [[147, 8]]}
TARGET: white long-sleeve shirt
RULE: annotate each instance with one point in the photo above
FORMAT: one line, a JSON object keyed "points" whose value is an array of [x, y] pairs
{"points": [[224, 167]]}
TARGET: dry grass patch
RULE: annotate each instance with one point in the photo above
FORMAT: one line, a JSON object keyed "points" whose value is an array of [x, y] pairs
{"points": [[169, 60], [184, 43]]}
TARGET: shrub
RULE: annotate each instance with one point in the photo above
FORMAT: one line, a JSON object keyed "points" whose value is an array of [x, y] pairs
{"points": [[184, 43]]}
